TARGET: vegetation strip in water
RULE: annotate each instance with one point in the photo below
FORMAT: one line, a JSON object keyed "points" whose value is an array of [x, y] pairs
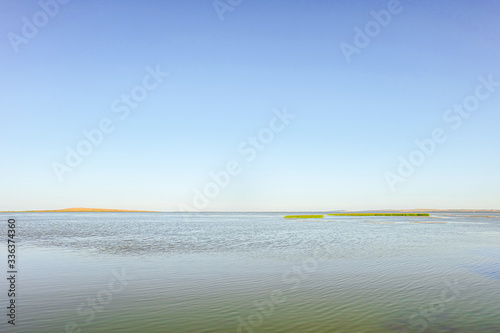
{"points": [[379, 214], [304, 216]]}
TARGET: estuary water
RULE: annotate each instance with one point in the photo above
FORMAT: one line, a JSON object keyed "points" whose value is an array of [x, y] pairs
{"points": [[253, 272]]}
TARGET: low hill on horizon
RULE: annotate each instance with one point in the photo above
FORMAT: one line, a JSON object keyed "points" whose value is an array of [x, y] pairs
{"points": [[81, 210]]}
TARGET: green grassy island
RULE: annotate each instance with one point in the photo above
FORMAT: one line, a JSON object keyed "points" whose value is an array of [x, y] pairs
{"points": [[379, 214], [304, 216]]}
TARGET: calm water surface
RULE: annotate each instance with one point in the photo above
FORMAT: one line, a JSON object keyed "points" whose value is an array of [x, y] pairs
{"points": [[249, 272]]}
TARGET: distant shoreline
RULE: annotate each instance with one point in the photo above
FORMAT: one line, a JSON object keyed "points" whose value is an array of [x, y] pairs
{"points": [[105, 210], [82, 210]]}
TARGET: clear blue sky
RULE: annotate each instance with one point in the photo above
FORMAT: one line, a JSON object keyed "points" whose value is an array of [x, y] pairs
{"points": [[225, 78]]}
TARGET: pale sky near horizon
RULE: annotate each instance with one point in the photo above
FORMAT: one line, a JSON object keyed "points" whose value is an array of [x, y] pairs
{"points": [[67, 69]]}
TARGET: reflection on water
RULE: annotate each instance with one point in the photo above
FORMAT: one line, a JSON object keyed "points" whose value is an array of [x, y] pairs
{"points": [[256, 272]]}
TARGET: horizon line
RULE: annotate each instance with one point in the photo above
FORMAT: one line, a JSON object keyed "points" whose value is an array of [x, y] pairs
{"points": [[104, 210]]}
